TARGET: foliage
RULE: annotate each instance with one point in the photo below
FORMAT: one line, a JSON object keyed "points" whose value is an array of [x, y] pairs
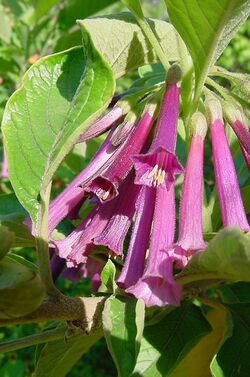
{"points": [[60, 70]]}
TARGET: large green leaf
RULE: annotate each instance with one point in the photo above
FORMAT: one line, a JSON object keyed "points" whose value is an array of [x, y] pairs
{"points": [[232, 359], [123, 44], [206, 27], [60, 96], [57, 358], [227, 257], [165, 343], [123, 322]]}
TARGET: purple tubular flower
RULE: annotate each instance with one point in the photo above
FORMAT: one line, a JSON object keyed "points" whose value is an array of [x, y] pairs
{"points": [[4, 172], [106, 184], [236, 118], [135, 259], [102, 124], [73, 194], [76, 247], [114, 234], [232, 210], [112, 218], [157, 286], [160, 164], [190, 238]]}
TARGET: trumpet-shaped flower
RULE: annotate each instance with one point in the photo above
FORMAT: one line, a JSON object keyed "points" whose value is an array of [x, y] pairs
{"points": [[105, 185], [232, 210], [190, 238], [135, 259], [157, 286], [160, 164], [112, 218]]}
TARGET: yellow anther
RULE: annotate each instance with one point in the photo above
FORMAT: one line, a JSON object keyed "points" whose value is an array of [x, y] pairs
{"points": [[157, 176], [105, 195], [153, 172]]}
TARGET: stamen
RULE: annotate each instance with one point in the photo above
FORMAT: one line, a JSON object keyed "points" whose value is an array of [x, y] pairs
{"points": [[153, 172], [156, 176], [105, 195]]}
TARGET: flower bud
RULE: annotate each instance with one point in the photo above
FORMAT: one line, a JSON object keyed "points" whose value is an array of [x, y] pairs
{"points": [[234, 113], [174, 74], [21, 289], [214, 109], [198, 125]]}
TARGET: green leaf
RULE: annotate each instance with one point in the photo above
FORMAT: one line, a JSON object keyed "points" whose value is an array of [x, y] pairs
{"points": [[6, 240], [61, 95], [232, 359], [108, 278], [57, 358], [123, 322], [227, 257], [123, 44], [165, 344], [206, 28]]}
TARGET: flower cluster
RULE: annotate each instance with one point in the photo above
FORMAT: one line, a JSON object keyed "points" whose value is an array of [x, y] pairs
{"points": [[131, 183]]}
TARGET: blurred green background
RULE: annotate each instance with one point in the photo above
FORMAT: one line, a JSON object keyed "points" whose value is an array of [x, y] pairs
{"points": [[30, 29]]}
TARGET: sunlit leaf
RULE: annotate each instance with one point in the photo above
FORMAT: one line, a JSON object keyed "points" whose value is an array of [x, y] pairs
{"points": [[123, 322], [123, 44], [207, 27], [60, 96]]}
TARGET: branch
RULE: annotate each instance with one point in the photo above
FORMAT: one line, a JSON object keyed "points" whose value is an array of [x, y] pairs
{"points": [[87, 310]]}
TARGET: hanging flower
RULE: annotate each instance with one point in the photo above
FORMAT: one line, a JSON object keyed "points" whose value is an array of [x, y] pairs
{"points": [[232, 210], [190, 238]]}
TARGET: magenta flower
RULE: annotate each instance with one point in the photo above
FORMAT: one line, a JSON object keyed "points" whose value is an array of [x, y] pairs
{"points": [[236, 118], [73, 194], [190, 238], [232, 210], [102, 124], [160, 164], [157, 286], [112, 218], [135, 259], [114, 234], [155, 172], [105, 185]]}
